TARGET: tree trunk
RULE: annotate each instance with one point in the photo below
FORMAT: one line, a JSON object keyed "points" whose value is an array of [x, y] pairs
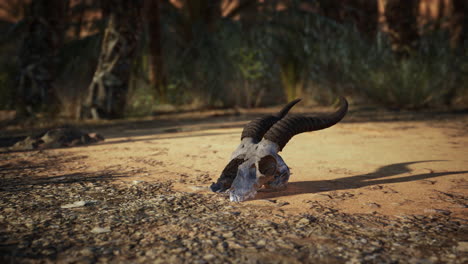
{"points": [[107, 93], [362, 13], [459, 24], [156, 61], [365, 15], [80, 9], [46, 24], [401, 18]]}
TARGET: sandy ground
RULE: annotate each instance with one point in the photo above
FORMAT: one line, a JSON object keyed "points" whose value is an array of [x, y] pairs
{"points": [[386, 166]]}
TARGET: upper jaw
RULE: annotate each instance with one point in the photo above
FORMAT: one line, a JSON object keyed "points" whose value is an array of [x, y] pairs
{"points": [[244, 185], [235, 197]]}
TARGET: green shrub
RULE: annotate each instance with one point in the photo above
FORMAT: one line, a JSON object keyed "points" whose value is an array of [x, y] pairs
{"points": [[8, 66], [431, 76]]}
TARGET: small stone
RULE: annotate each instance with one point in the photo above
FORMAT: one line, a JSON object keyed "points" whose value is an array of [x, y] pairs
{"points": [[462, 246], [151, 253], [100, 230], [178, 250], [136, 182], [86, 252], [261, 243], [373, 205], [284, 244], [234, 245], [281, 203], [209, 257], [303, 221], [228, 234], [9, 210], [222, 246], [199, 188], [437, 211], [77, 204]]}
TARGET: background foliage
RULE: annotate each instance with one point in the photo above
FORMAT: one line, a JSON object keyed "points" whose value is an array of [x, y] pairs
{"points": [[256, 53]]}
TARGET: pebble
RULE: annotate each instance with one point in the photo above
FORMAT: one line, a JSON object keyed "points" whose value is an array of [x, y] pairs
{"points": [[99, 230], [136, 182], [87, 252], [209, 257], [463, 246], [373, 205], [228, 234], [437, 211], [151, 223], [77, 204], [9, 210], [199, 188], [261, 243], [303, 221], [234, 245]]}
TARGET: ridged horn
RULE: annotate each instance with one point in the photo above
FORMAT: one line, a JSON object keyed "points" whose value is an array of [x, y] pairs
{"points": [[258, 127], [286, 128]]}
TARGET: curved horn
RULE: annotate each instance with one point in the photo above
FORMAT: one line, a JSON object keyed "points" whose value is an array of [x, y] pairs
{"points": [[258, 127], [281, 132]]}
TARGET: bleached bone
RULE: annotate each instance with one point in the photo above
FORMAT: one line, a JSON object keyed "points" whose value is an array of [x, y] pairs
{"points": [[256, 162]]}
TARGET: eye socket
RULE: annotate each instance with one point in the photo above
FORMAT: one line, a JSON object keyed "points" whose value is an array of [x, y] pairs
{"points": [[267, 165]]}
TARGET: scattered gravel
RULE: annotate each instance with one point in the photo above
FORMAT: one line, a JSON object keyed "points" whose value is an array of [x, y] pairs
{"points": [[90, 219]]}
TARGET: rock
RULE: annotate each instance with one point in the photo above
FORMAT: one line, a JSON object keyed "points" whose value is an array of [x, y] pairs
{"points": [[77, 204], [261, 243], [437, 211], [463, 246], [303, 222], [56, 138], [209, 257], [199, 188], [234, 245], [228, 234], [373, 205], [136, 182], [100, 230], [9, 210], [281, 203], [87, 252], [222, 246]]}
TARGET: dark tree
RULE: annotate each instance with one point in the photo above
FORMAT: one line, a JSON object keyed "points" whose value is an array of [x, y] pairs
{"points": [[401, 18], [156, 61], [107, 93], [362, 13], [365, 13], [194, 17], [46, 22], [459, 24]]}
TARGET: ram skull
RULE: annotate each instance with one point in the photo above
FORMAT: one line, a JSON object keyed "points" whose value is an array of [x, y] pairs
{"points": [[256, 162]]}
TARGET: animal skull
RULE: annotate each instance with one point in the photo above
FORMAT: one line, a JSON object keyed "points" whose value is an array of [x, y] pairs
{"points": [[256, 163]]}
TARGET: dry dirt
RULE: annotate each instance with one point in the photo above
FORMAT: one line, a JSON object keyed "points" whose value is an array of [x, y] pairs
{"points": [[387, 165], [390, 168]]}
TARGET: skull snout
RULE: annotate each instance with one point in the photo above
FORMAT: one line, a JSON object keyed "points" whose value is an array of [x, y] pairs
{"points": [[244, 185]]}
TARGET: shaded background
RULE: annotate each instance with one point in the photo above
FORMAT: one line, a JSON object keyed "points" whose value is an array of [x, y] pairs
{"points": [[98, 59]]}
